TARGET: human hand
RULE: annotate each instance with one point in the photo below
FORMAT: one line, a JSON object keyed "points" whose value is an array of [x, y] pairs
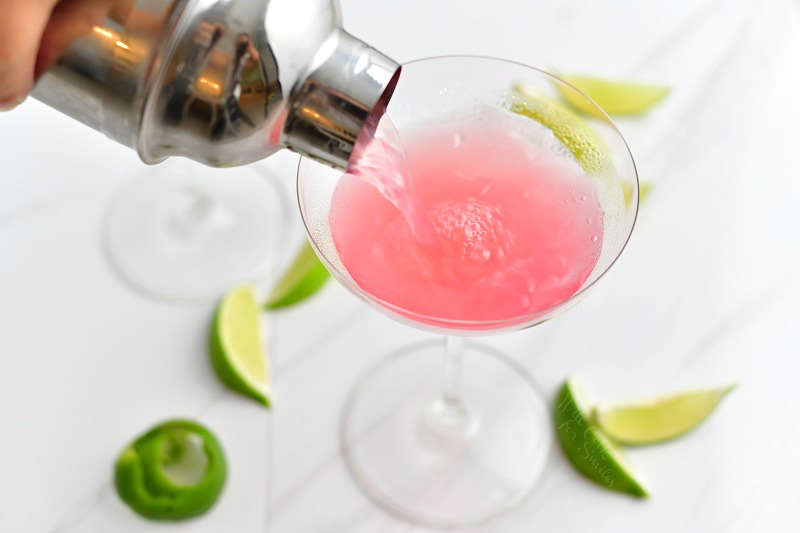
{"points": [[34, 33]]}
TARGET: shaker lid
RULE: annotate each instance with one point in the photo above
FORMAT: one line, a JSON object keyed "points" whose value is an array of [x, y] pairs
{"points": [[347, 89]]}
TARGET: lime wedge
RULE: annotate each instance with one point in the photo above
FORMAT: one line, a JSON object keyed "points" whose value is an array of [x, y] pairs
{"points": [[236, 345], [584, 143], [659, 419], [303, 278], [587, 448], [645, 188], [615, 97], [174, 471]]}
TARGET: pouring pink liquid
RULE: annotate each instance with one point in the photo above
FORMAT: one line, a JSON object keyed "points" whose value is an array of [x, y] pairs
{"points": [[481, 223]]}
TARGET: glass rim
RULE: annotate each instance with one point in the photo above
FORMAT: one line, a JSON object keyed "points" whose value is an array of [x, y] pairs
{"points": [[521, 321]]}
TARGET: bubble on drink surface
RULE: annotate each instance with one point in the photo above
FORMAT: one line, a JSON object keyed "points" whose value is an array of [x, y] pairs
{"points": [[472, 231]]}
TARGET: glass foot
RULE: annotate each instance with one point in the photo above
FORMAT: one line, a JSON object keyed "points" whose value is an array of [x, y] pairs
{"points": [[435, 460], [185, 232]]}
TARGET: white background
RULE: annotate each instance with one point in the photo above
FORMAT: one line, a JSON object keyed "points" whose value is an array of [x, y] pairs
{"points": [[705, 294]]}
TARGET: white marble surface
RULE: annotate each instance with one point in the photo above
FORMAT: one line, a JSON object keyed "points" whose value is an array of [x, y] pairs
{"points": [[706, 293]]}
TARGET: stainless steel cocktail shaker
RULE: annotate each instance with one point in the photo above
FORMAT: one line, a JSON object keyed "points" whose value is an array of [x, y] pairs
{"points": [[223, 82]]}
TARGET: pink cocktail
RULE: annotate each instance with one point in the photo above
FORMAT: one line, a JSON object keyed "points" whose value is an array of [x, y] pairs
{"points": [[462, 216], [511, 228]]}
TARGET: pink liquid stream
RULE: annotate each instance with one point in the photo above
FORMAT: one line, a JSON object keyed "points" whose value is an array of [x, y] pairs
{"points": [[469, 221]]}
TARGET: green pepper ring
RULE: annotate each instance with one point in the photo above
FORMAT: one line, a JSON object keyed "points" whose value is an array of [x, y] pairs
{"points": [[143, 485]]}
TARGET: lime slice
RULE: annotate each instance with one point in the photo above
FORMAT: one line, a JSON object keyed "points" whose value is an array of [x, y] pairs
{"points": [[587, 448], [615, 97], [584, 143], [236, 345], [302, 279], [659, 419], [174, 471]]}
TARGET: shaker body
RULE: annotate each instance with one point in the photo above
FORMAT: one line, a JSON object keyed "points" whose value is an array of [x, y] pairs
{"points": [[223, 82], [101, 78]]}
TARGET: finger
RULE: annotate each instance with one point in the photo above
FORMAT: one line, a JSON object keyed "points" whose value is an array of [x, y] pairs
{"points": [[69, 20], [21, 26]]}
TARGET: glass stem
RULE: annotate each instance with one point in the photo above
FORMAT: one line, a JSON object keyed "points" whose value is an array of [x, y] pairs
{"points": [[448, 416], [195, 212], [451, 386]]}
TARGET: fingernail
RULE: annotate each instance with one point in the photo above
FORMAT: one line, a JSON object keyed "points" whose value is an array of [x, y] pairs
{"points": [[8, 105]]}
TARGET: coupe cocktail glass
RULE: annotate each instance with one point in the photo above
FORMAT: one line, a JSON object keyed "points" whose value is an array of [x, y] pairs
{"points": [[455, 444], [185, 232]]}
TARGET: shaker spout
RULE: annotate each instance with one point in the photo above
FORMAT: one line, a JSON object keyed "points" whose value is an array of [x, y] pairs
{"points": [[346, 89]]}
